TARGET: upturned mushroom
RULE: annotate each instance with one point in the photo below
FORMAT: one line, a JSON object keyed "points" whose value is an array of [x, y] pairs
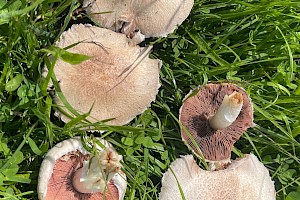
{"points": [[151, 18], [69, 173], [243, 179], [118, 82], [216, 116]]}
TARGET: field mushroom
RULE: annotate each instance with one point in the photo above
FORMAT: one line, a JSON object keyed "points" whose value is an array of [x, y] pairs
{"points": [[216, 116], [245, 178], [118, 82], [68, 173], [151, 18]]}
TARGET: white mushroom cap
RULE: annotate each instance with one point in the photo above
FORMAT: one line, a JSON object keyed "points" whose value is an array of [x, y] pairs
{"points": [[152, 17], [64, 148], [244, 179], [118, 82]]}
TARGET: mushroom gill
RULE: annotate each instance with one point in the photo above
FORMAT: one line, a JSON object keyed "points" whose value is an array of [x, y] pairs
{"points": [[69, 173], [198, 109]]}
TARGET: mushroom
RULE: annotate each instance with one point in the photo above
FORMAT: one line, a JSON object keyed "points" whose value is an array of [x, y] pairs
{"points": [[118, 82], [151, 18], [69, 173], [244, 179], [216, 116]]}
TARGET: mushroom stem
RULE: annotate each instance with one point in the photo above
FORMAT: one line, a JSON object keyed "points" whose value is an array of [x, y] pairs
{"points": [[218, 165], [95, 174], [228, 111]]}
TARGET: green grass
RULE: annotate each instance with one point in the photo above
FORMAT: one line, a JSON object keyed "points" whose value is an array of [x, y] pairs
{"points": [[252, 43]]}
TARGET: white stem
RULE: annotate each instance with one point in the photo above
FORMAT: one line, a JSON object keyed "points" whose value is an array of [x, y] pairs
{"points": [[218, 165], [96, 173], [228, 111], [89, 179]]}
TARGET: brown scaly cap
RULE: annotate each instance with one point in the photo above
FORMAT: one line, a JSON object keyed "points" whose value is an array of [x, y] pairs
{"points": [[118, 82], [216, 145]]}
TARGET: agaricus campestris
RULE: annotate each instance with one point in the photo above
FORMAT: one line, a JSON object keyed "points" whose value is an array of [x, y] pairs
{"points": [[68, 173], [244, 179], [216, 116], [118, 82], [151, 18]]}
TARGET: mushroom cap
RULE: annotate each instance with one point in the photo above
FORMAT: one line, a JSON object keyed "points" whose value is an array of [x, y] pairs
{"points": [[197, 109], [152, 17], [246, 179], [118, 82], [60, 164]]}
